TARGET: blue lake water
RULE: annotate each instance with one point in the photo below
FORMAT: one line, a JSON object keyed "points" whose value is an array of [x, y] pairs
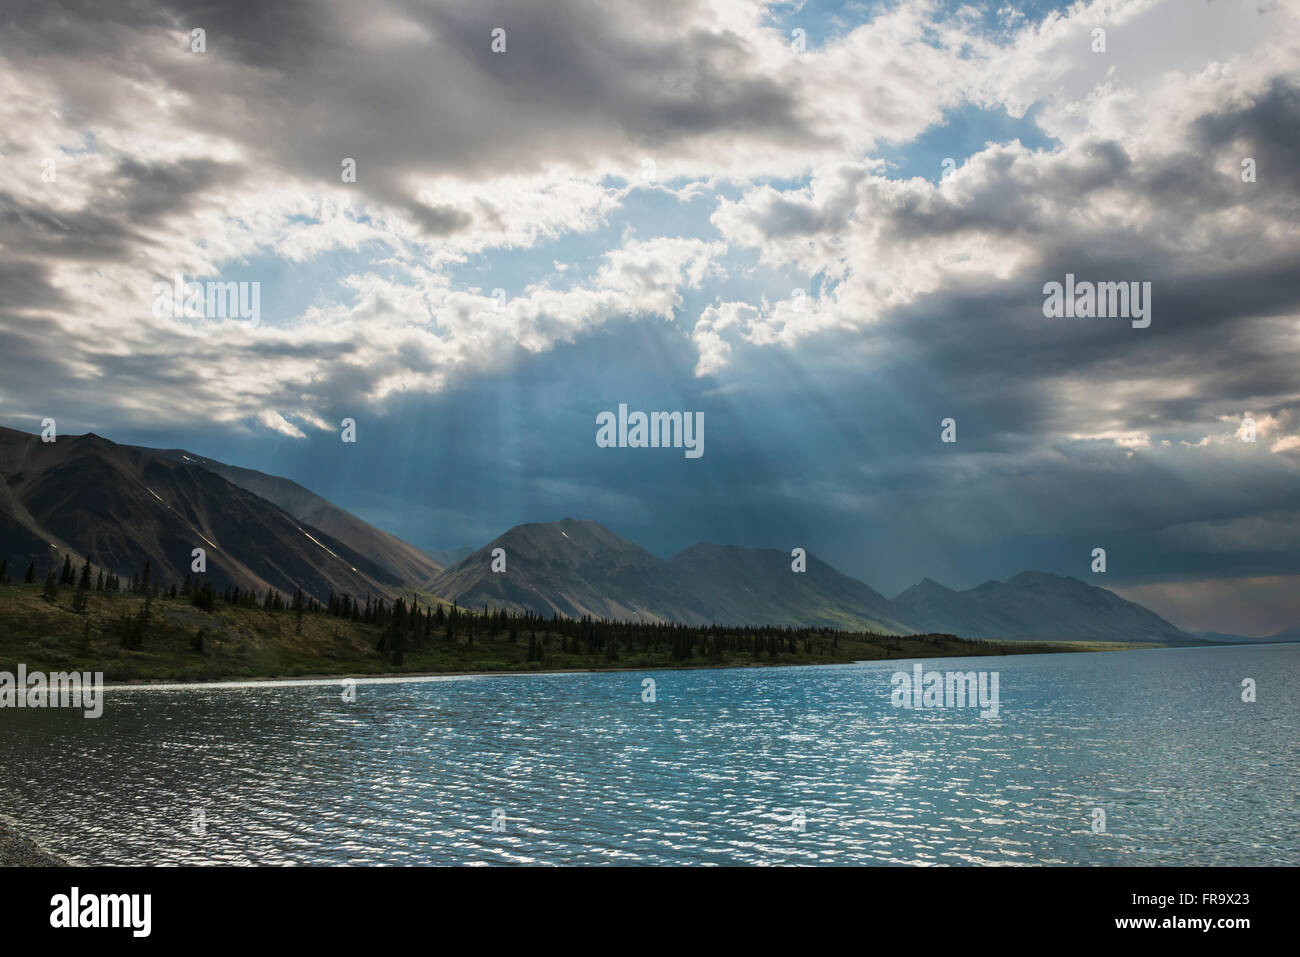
{"points": [[719, 769]]}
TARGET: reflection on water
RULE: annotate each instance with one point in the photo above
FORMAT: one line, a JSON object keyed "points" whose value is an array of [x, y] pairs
{"points": [[719, 769]]}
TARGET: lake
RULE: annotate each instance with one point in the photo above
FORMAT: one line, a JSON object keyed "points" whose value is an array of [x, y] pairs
{"points": [[801, 765]]}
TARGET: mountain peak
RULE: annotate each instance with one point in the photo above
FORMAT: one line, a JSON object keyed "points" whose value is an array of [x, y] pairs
{"points": [[572, 567], [1031, 577], [925, 588], [1035, 605]]}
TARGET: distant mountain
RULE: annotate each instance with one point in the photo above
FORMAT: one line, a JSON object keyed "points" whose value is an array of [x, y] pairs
{"points": [[582, 568], [942, 609], [123, 506], [757, 586], [574, 568], [404, 562], [1290, 634], [1033, 605]]}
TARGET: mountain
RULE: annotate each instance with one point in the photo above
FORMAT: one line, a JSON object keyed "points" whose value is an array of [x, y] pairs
{"points": [[582, 568], [124, 505], [403, 561], [757, 586], [1290, 634], [949, 611], [574, 568], [1033, 605]]}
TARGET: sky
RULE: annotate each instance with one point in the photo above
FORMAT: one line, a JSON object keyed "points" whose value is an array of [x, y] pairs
{"points": [[827, 227]]}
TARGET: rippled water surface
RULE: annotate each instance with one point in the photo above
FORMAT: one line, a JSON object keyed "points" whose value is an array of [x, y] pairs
{"points": [[713, 772]]}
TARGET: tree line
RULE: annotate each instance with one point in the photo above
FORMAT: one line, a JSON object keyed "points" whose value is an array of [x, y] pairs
{"points": [[412, 626]]}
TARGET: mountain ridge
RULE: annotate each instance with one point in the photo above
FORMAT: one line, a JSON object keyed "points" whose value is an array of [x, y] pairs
{"points": [[404, 561], [127, 504], [1037, 605], [545, 572]]}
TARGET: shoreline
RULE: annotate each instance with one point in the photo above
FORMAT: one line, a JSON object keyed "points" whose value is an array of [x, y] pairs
{"points": [[18, 850], [522, 672], [1066, 648]]}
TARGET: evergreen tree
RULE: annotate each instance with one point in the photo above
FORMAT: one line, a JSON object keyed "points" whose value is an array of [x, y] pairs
{"points": [[66, 578], [51, 586], [84, 582], [30, 577], [205, 597], [144, 615]]}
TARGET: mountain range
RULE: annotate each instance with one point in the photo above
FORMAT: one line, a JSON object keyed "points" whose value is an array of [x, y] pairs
{"points": [[1033, 605], [125, 505], [1219, 638]]}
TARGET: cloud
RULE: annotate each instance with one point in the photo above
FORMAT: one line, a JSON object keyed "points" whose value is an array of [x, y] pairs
{"points": [[278, 423]]}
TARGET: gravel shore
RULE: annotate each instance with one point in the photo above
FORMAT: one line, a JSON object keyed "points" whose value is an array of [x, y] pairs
{"points": [[18, 851]]}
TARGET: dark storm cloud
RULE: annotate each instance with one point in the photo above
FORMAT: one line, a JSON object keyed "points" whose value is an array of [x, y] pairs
{"points": [[25, 284], [128, 200], [425, 95], [1269, 128], [83, 234], [146, 192]]}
